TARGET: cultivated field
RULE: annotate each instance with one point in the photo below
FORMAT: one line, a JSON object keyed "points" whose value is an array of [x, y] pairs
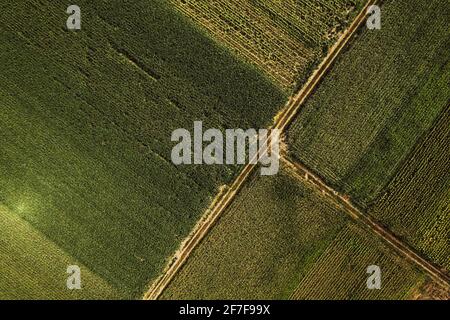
{"points": [[429, 290], [284, 38], [86, 119], [282, 236], [35, 268], [382, 95], [262, 245], [416, 203], [341, 271]]}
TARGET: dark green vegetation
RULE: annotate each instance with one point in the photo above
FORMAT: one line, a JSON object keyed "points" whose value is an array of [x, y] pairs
{"points": [[382, 95], [416, 203], [85, 125], [35, 268], [276, 239]]}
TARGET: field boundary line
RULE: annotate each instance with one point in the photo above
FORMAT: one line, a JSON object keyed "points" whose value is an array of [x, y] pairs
{"points": [[301, 172], [281, 122]]}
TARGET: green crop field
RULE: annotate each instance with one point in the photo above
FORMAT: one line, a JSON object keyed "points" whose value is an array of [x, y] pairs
{"points": [[416, 203], [262, 245], [285, 38], [282, 239], [35, 268], [85, 125], [382, 95], [341, 271]]}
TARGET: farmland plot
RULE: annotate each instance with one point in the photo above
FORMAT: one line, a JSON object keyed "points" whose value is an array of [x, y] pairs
{"points": [[382, 95], [262, 245], [35, 268], [284, 38], [85, 125], [341, 271], [416, 203]]}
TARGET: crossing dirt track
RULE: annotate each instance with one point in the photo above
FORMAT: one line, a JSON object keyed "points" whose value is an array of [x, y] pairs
{"points": [[282, 121]]}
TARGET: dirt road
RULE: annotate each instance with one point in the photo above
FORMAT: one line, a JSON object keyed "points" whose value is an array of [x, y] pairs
{"points": [[283, 120]]}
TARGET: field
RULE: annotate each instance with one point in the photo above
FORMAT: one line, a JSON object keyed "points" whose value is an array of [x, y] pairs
{"points": [[277, 234], [341, 271], [261, 245], [34, 268], [416, 203], [382, 95], [286, 39], [86, 119]]}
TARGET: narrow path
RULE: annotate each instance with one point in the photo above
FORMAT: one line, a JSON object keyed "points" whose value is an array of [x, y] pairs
{"points": [[299, 171], [282, 121]]}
